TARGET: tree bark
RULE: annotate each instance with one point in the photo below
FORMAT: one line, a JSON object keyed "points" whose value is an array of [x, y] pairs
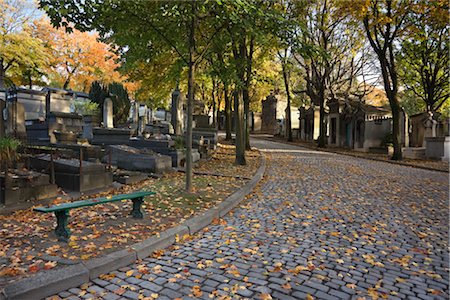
{"points": [[239, 127], [2, 74], [219, 101], [246, 100], [213, 95], [321, 143], [190, 101], [227, 112], [288, 131]]}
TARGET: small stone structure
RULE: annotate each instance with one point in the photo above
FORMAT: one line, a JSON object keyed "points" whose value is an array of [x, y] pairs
{"points": [[133, 159], [177, 112], [108, 121], [24, 186], [359, 126], [73, 176], [437, 147], [110, 136], [269, 114]]}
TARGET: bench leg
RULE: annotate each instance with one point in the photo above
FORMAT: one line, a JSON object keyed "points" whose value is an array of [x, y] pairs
{"points": [[136, 212], [62, 232]]}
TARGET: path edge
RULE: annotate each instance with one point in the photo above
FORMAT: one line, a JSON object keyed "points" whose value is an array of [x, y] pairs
{"points": [[52, 282], [330, 150]]}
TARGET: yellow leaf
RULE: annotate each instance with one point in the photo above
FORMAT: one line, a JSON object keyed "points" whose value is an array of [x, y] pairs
{"points": [[129, 273], [265, 297], [196, 291]]}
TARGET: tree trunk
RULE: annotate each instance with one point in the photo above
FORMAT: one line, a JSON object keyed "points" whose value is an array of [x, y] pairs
{"points": [[246, 99], [322, 128], [219, 127], [239, 127], [66, 83], [288, 131], [190, 101], [227, 113], [213, 94], [396, 135], [2, 75], [389, 78]]}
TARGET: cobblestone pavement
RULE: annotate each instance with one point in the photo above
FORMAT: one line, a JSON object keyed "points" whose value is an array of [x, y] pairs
{"points": [[319, 225]]}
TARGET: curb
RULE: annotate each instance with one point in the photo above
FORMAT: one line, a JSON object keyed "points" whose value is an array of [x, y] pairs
{"points": [[329, 150], [52, 282]]}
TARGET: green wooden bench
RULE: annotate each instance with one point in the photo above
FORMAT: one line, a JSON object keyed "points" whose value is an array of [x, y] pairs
{"points": [[62, 210]]}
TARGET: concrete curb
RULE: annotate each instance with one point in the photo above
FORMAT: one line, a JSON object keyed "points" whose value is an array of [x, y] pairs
{"points": [[47, 283], [330, 150], [55, 281]]}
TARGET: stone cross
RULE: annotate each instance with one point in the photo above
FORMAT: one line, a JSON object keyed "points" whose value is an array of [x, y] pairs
{"points": [[108, 113]]}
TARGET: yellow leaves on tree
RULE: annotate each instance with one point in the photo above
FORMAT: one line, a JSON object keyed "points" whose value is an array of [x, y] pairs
{"points": [[78, 58]]}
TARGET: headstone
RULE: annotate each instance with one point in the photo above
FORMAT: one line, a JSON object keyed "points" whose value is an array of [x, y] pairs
{"points": [[108, 113], [88, 128], [269, 114], [430, 127], [133, 116], [142, 119], [177, 112]]}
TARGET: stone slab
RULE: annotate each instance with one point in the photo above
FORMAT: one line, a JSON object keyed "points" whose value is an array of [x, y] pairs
{"points": [[110, 262], [165, 239], [197, 223], [48, 283]]}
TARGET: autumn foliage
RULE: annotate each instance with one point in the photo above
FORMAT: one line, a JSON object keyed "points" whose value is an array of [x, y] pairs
{"points": [[77, 58]]}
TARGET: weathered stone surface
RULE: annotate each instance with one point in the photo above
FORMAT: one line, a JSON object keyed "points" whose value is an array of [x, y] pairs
{"points": [[147, 247], [133, 159], [199, 222], [48, 283], [110, 262]]}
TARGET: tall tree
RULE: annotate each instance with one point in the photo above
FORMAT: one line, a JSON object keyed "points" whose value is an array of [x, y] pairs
{"points": [[19, 50], [424, 58], [77, 58], [145, 29], [326, 50], [284, 56], [384, 21]]}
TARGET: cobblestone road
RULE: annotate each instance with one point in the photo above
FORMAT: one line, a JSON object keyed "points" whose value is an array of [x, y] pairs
{"points": [[320, 225]]}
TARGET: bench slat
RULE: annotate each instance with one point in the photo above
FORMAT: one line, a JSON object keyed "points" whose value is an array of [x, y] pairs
{"points": [[91, 202]]}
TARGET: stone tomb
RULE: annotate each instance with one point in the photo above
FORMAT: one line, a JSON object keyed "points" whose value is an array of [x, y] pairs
{"points": [[69, 175], [23, 186], [165, 147], [110, 136], [133, 159]]}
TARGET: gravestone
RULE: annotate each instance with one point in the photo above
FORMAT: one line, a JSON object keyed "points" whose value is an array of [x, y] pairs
{"points": [[142, 119], [88, 128], [430, 128], [269, 114], [177, 112], [108, 113]]}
